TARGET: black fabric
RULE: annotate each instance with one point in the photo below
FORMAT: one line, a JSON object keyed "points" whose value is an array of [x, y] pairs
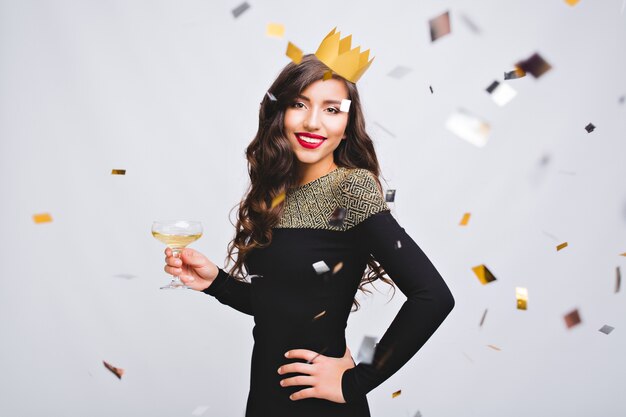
{"points": [[287, 293]]}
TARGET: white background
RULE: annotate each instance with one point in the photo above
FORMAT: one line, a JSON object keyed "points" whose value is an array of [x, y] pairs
{"points": [[169, 91]]}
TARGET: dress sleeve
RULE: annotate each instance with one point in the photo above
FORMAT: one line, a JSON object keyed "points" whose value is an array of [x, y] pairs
{"points": [[429, 300], [231, 291]]}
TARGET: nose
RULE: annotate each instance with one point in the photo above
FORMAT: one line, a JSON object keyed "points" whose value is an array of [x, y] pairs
{"points": [[312, 120]]}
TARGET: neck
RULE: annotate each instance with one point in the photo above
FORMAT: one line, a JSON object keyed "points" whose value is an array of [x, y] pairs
{"points": [[308, 172]]}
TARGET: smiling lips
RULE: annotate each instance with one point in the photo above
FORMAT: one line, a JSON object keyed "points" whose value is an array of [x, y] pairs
{"points": [[309, 140]]}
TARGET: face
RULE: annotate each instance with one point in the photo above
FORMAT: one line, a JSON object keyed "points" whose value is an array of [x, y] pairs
{"points": [[313, 123]]}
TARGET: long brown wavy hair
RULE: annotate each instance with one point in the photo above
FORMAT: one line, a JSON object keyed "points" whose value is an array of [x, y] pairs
{"points": [[272, 164]]}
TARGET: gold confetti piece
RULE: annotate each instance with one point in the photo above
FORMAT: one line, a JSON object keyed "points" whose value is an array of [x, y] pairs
{"points": [[278, 199], [482, 320], [501, 93], [294, 53], [327, 75], [275, 30], [618, 279], [465, 219], [521, 294], [572, 2], [484, 275], [535, 65], [118, 372], [494, 347], [390, 196], [606, 329], [118, 172], [319, 315], [623, 254], [561, 246], [439, 26], [572, 319], [396, 394], [515, 74], [237, 11], [42, 218], [468, 127], [337, 267], [345, 105]]}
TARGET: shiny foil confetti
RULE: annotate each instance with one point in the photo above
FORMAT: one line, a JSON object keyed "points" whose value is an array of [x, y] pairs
{"points": [[418, 414], [294, 53], [338, 217], [501, 93], [275, 30], [345, 105], [622, 254], [590, 128], [278, 199], [271, 96], [618, 279], [465, 219], [484, 275], [515, 74], [42, 218], [398, 244], [521, 295], [535, 65], [482, 320], [399, 72], [390, 196], [572, 2], [494, 347], [561, 246], [238, 11], [572, 319], [337, 267], [396, 394], [126, 276], [468, 127], [319, 315], [118, 372], [431, 89], [606, 329], [366, 351], [327, 75], [321, 267], [384, 129], [439, 26], [118, 172], [470, 24], [199, 410]]}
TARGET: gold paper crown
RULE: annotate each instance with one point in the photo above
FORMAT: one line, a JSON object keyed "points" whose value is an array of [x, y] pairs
{"points": [[337, 55]]}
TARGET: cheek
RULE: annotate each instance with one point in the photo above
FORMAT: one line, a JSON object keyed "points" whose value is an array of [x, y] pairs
{"points": [[291, 120], [338, 126]]}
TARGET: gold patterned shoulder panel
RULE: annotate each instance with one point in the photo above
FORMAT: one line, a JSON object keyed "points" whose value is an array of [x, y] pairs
{"points": [[337, 201]]}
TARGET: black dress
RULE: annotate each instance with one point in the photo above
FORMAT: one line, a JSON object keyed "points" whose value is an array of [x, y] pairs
{"points": [[313, 265]]}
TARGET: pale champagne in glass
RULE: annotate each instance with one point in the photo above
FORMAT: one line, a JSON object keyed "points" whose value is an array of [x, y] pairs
{"points": [[176, 234]]}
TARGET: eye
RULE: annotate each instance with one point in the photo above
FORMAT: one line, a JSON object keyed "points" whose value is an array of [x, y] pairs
{"points": [[333, 110], [298, 105]]}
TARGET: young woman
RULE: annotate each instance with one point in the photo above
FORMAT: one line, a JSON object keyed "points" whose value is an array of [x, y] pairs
{"points": [[307, 254]]}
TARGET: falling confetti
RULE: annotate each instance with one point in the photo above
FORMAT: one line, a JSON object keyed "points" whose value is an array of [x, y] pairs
{"points": [[294, 53], [275, 30], [385, 129], [572, 2], [238, 11], [42, 218], [482, 320], [271, 96], [494, 347], [366, 351], [399, 72], [199, 410], [118, 172], [535, 65], [590, 128], [468, 127], [338, 217], [606, 329], [390, 196], [465, 219], [319, 315], [337, 267], [431, 89], [118, 372], [468, 358], [622, 254], [321, 267], [470, 24], [501, 93], [484, 275], [515, 74], [127, 276], [521, 294], [572, 319], [439, 26], [418, 414], [561, 246], [618, 279], [345, 105], [398, 244], [278, 199], [396, 394]]}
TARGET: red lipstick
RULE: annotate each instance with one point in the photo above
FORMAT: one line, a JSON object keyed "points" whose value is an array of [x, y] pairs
{"points": [[309, 145]]}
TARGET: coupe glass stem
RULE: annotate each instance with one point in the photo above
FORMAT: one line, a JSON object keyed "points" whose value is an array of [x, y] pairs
{"points": [[176, 282]]}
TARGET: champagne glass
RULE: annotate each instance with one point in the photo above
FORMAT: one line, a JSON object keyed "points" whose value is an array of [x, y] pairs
{"points": [[176, 234]]}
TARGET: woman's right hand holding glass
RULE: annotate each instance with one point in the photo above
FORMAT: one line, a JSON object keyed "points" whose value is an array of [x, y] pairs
{"points": [[195, 270]]}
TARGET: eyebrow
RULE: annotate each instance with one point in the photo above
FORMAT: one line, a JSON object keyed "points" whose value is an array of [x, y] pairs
{"points": [[336, 102]]}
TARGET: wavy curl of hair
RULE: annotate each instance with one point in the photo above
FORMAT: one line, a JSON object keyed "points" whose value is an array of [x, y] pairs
{"points": [[272, 165]]}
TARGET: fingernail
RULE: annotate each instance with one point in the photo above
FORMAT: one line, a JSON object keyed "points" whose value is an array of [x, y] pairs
{"points": [[286, 354], [291, 397], [279, 369], [191, 279], [282, 383]]}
